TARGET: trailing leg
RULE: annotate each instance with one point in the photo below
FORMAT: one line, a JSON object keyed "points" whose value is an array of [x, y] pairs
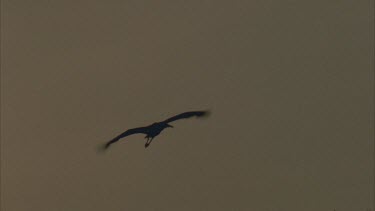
{"points": [[148, 142]]}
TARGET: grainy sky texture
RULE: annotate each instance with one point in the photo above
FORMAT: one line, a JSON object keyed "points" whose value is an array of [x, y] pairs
{"points": [[289, 84]]}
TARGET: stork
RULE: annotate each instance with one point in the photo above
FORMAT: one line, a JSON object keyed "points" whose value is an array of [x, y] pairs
{"points": [[156, 128]]}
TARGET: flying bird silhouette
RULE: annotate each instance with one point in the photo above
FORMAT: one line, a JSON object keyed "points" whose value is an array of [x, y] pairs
{"points": [[155, 129]]}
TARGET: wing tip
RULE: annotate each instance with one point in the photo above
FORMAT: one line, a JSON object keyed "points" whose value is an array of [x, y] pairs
{"points": [[205, 113], [102, 148]]}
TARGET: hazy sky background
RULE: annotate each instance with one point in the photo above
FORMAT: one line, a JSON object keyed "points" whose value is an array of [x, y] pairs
{"points": [[289, 84]]}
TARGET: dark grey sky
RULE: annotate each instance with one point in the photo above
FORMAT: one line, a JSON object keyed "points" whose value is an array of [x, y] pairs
{"points": [[289, 83]]}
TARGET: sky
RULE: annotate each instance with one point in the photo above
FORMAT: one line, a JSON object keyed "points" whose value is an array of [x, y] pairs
{"points": [[290, 87]]}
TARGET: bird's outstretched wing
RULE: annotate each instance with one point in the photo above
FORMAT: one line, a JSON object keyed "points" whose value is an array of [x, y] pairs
{"points": [[126, 133], [187, 115]]}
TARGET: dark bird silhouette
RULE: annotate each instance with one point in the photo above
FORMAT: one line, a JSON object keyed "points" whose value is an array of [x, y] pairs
{"points": [[155, 129]]}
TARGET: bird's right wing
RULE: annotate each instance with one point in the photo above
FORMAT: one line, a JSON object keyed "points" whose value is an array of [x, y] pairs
{"points": [[126, 133]]}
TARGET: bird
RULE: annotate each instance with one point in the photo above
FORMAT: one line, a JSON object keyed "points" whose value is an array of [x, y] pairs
{"points": [[156, 128]]}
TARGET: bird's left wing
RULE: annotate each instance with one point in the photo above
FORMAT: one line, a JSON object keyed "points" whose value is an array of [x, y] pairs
{"points": [[187, 115]]}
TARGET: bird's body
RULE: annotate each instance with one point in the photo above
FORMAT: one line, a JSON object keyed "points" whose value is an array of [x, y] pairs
{"points": [[156, 128]]}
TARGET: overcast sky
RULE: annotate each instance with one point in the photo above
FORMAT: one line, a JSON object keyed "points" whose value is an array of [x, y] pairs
{"points": [[289, 84]]}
